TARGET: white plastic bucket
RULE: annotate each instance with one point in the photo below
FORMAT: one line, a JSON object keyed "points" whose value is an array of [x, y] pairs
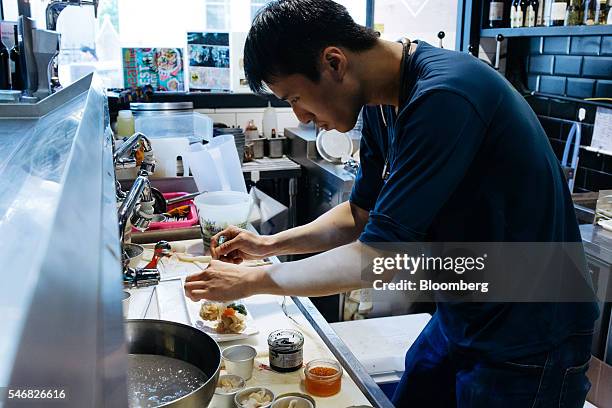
{"points": [[220, 209], [216, 166]]}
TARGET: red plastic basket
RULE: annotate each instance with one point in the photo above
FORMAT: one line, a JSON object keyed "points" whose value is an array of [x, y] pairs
{"points": [[190, 221]]}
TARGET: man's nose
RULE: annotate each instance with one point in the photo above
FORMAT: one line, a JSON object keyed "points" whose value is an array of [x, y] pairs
{"points": [[303, 115]]}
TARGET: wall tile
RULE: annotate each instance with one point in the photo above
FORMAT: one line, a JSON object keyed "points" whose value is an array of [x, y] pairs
{"points": [[556, 45], [590, 112], [585, 45], [567, 65], [597, 180], [580, 180], [591, 160], [540, 106], [532, 82], [535, 45], [552, 128], [580, 87], [287, 119], [242, 118], [603, 89], [228, 118], [553, 85], [558, 147], [542, 64], [606, 45], [607, 164], [587, 134], [563, 110], [597, 67]]}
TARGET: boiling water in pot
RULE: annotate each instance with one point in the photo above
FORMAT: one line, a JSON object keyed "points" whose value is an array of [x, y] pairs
{"points": [[155, 380]]}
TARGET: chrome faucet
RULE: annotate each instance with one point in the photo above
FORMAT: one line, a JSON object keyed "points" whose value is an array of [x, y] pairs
{"points": [[124, 157], [130, 147], [137, 205]]}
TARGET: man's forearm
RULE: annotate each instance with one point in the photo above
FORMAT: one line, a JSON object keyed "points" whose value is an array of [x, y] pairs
{"points": [[319, 275], [339, 226]]}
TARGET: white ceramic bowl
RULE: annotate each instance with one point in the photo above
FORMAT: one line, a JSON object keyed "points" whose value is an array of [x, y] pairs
{"points": [[244, 395]]}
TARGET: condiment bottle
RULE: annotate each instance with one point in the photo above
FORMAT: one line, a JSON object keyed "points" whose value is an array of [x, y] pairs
{"points": [[125, 124]]}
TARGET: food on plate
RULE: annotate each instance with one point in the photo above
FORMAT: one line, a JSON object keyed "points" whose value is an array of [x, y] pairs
{"points": [[229, 384], [209, 311], [231, 321], [238, 307], [230, 318], [183, 257], [256, 400], [292, 404]]}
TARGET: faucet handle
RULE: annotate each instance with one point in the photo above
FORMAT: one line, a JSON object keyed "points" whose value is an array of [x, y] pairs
{"points": [[142, 217], [141, 277]]}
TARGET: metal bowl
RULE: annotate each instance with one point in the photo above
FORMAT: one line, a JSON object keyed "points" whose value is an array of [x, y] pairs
{"points": [[175, 340], [134, 254]]}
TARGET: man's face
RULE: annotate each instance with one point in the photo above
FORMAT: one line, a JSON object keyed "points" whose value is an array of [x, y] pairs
{"points": [[332, 103]]}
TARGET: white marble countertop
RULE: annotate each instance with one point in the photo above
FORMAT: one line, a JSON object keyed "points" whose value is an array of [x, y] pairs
{"points": [[167, 301]]}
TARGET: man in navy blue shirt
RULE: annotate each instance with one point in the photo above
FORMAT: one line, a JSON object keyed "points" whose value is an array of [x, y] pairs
{"points": [[450, 153]]}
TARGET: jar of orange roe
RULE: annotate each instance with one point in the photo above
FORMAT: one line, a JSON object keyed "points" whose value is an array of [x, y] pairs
{"points": [[323, 378]]}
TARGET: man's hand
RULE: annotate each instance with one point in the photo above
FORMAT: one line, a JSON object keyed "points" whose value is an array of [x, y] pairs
{"points": [[240, 245], [222, 281]]}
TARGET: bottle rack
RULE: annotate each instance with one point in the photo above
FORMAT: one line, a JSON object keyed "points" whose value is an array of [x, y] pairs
{"points": [[554, 31]]}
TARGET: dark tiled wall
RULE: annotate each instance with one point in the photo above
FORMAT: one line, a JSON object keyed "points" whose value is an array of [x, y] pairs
{"points": [[578, 67], [594, 169]]}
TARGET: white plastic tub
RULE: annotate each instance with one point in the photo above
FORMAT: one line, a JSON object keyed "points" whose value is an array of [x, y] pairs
{"points": [[220, 209]]}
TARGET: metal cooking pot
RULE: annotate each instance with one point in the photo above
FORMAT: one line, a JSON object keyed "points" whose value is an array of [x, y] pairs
{"points": [[175, 340]]}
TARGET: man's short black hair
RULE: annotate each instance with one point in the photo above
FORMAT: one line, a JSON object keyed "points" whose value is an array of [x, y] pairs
{"points": [[287, 37]]}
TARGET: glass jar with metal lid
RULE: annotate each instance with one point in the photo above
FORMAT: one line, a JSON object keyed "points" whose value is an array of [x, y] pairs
{"points": [[286, 350]]}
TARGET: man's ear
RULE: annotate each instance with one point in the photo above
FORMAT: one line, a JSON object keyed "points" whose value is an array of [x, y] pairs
{"points": [[334, 60]]}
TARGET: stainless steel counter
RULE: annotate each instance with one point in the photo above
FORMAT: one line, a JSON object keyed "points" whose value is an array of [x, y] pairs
{"points": [[325, 184], [60, 296], [598, 248]]}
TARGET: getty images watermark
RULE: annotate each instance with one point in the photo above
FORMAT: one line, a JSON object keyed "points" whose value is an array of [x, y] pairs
{"points": [[404, 263]]}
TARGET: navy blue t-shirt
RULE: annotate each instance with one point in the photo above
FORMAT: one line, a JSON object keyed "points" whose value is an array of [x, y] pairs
{"points": [[469, 162]]}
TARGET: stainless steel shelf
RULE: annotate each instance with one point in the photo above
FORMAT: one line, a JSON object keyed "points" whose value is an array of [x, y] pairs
{"points": [[547, 31]]}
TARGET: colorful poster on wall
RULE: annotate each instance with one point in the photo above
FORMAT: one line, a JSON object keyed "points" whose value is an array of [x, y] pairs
{"points": [[209, 61], [162, 68]]}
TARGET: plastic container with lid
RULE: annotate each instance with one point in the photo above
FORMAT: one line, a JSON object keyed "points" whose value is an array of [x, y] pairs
{"points": [[323, 378], [269, 121], [125, 124]]}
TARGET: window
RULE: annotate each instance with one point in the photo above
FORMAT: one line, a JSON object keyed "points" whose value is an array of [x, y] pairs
{"points": [[217, 15], [89, 44], [257, 5], [417, 20]]}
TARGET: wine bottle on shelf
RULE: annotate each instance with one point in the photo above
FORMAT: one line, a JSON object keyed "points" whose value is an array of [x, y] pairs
{"points": [[496, 14], [557, 12], [600, 8], [573, 15], [14, 54], [532, 13], [5, 66], [590, 14], [515, 14], [547, 12], [524, 5], [605, 16], [540, 13]]}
